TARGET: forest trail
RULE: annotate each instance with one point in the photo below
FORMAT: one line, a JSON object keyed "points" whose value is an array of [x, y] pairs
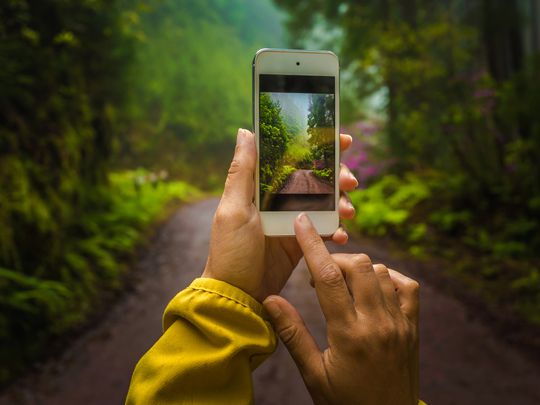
{"points": [[462, 361], [304, 182]]}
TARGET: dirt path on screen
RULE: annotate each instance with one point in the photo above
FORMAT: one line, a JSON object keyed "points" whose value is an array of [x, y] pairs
{"points": [[304, 182]]}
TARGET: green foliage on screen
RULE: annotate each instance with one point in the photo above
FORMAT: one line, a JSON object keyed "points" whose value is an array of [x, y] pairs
{"points": [[274, 140], [321, 128]]}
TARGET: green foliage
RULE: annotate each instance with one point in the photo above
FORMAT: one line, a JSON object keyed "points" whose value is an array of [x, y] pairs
{"points": [[461, 114], [60, 84], [190, 84], [36, 308], [274, 140], [86, 86], [387, 205], [298, 155], [324, 174], [321, 124], [279, 180]]}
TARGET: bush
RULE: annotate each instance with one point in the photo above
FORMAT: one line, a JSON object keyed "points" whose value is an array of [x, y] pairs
{"points": [[280, 178], [388, 203], [35, 308], [324, 174]]}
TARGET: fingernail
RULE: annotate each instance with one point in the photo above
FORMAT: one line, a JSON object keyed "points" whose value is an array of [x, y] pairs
{"points": [[352, 176], [272, 308], [304, 219], [350, 205], [350, 137], [241, 136]]}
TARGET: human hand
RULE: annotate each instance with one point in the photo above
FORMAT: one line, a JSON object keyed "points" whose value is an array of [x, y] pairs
{"points": [[372, 327], [240, 254]]}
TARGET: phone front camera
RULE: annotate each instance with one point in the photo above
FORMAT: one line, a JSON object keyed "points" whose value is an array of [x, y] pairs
{"points": [[297, 63]]}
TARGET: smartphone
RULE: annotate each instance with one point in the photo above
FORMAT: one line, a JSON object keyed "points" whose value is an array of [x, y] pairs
{"points": [[296, 121]]}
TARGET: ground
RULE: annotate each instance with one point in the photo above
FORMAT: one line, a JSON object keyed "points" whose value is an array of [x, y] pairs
{"points": [[304, 182], [462, 360]]}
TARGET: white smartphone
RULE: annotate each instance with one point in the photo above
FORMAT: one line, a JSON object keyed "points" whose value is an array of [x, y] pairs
{"points": [[296, 121]]}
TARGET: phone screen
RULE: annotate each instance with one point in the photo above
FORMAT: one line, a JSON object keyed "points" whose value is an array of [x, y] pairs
{"points": [[297, 143]]}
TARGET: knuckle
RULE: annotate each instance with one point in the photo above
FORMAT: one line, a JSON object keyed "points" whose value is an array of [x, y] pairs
{"points": [[313, 243], [226, 215], [235, 167], [413, 286], [380, 268], [330, 274], [289, 334], [388, 333], [360, 260], [354, 338]]}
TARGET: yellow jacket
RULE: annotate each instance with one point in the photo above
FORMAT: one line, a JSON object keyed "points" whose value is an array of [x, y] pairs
{"points": [[214, 336]]}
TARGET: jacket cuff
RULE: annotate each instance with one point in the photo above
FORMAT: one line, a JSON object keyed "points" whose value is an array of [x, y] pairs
{"points": [[229, 291]]}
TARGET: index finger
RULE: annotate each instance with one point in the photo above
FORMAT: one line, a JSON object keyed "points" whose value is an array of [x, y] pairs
{"points": [[332, 292]]}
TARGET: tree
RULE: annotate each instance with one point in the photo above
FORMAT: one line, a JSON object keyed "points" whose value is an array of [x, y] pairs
{"points": [[61, 97], [321, 128], [457, 101], [274, 139]]}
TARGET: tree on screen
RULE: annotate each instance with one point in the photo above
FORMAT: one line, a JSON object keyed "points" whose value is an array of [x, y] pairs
{"points": [[321, 129], [274, 139]]}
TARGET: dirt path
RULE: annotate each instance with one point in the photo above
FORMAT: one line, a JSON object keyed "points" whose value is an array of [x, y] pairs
{"points": [[305, 182], [462, 361]]}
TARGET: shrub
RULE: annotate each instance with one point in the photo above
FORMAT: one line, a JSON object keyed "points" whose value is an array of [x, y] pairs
{"points": [[388, 203], [35, 308], [324, 174]]}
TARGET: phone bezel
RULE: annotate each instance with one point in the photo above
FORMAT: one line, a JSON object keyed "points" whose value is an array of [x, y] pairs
{"points": [[311, 63]]}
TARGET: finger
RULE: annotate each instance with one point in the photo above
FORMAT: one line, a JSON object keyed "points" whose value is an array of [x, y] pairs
{"points": [[334, 298], [345, 141], [408, 294], [347, 180], [387, 287], [340, 236], [292, 331], [362, 281], [346, 208], [239, 186]]}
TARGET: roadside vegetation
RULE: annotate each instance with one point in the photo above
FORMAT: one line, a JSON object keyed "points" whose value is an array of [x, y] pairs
{"points": [[91, 91], [447, 132]]}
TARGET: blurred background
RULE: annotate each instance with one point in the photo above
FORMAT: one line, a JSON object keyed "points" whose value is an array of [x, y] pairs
{"points": [[118, 116]]}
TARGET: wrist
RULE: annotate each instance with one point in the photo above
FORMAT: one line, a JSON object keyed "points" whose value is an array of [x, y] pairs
{"points": [[234, 281]]}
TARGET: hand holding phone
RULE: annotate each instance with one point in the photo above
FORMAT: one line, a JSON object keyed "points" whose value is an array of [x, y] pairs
{"points": [[240, 254], [296, 120]]}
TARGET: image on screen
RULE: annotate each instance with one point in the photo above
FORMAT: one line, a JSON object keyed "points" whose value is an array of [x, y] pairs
{"points": [[297, 143]]}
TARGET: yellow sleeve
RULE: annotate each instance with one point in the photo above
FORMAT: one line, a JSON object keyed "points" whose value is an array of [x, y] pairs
{"points": [[214, 336]]}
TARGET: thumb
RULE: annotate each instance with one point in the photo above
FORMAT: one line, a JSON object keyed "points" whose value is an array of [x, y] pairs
{"points": [[239, 186], [292, 331]]}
